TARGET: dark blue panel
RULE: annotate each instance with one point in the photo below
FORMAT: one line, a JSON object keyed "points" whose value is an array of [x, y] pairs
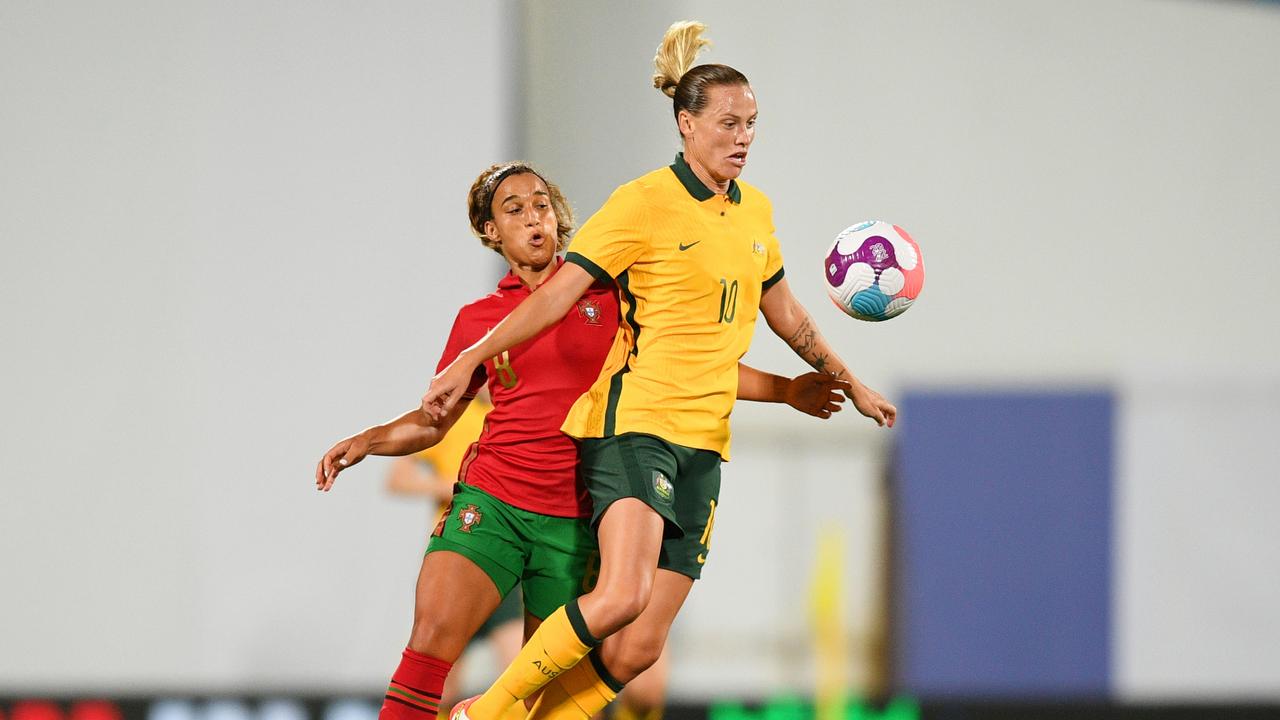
{"points": [[1002, 515]]}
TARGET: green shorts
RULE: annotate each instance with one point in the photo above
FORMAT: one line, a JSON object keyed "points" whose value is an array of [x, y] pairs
{"points": [[682, 484], [547, 555]]}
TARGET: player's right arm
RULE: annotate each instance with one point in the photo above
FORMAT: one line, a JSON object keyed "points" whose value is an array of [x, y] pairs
{"points": [[410, 433], [543, 308], [789, 320]]}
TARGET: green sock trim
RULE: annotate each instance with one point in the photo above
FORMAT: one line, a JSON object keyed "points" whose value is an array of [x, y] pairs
{"points": [[579, 624], [598, 664], [427, 703]]}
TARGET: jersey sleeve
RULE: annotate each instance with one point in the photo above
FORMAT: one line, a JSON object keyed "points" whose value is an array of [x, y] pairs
{"points": [[773, 270], [463, 335], [615, 237]]}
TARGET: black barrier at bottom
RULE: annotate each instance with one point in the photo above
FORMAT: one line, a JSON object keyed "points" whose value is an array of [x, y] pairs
{"points": [[286, 706]]}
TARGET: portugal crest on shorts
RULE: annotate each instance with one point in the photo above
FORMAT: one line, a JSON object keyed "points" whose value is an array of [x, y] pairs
{"points": [[590, 311], [470, 516]]}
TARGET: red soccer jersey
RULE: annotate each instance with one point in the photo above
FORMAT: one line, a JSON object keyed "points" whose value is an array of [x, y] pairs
{"points": [[522, 458]]}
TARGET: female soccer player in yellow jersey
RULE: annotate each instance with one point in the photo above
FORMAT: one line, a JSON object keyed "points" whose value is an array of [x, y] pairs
{"points": [[694, 256], [518, 512]]}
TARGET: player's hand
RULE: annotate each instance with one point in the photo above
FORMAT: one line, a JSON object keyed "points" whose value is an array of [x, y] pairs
{"points": [[873, 405], [446, 388], [816, 394], [341, 456]]}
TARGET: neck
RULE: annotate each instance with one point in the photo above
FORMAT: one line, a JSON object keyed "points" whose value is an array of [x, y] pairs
{"points": [[533, 275], [700, 172]]}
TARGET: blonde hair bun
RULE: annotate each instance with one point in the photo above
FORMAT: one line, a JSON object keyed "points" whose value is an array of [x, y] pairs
{"points": [[676, 54]]}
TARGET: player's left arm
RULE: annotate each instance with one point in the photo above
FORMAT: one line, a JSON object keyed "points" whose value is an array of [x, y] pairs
{"points": [[816, 394], [410, 433], [789, 320]]}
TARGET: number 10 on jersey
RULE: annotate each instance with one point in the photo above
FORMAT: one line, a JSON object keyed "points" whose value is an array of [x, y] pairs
{"points": [[728, 300]]}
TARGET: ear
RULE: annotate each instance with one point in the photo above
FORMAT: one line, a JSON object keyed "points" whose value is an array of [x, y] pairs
{"points": [[491, 230], [684, 122]]}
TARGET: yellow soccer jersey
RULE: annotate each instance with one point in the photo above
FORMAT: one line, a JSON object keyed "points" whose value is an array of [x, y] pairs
{"points": [[690, 266], [446, 455]]}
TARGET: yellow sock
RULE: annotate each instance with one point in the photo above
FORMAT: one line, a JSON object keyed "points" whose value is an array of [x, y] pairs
{"points": [[517, 711], [624, 711], [577, 694], [558, 644]]}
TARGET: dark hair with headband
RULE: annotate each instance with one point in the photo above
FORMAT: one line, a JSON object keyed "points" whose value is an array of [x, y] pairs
{"points": [[480, 203]]}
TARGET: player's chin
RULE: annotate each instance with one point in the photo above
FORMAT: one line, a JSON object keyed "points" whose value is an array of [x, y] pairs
{"points": [[731, 171]]}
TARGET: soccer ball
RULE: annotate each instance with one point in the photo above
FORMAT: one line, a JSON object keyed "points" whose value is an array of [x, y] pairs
{"points": [[874, 271]]}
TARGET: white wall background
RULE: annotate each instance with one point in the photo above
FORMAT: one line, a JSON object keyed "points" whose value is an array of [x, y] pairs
{"points": [[1195, 610], [224, 230], [234, 232]]}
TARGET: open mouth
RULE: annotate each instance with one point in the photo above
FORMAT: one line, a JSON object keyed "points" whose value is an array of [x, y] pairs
{"points": [[536, 240], [738, 159]]}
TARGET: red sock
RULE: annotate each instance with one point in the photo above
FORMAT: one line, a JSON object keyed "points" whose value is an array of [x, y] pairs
{"points": [[414, 692]]}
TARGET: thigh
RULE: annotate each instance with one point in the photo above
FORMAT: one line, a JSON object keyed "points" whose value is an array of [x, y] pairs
{"points": [[696, 500], [454, 597], [629, 466]]}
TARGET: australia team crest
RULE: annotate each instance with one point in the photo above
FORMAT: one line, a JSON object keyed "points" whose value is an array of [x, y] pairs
{"points": [[662, 486]]}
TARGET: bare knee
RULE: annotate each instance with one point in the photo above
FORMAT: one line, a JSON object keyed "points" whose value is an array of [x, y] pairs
{"points": [[443, 641], [648, 691], [627, 659], [608, 609]]}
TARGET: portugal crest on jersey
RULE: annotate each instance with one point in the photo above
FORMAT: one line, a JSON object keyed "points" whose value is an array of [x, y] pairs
{"points": [[470, 516], [590, 311]]}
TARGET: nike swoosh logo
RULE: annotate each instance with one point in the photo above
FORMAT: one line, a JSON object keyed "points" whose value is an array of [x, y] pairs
{"points": [[684, 247]]}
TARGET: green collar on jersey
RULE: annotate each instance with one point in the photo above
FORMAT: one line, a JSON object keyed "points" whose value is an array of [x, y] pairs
{"points": [[696, 187]]}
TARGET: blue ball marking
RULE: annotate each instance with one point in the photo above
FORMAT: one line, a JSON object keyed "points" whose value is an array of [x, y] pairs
{"points": [[870, 303]]}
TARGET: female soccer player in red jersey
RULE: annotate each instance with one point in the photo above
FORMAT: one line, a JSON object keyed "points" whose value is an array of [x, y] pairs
{"points": [[519, 512], [694, 255]]}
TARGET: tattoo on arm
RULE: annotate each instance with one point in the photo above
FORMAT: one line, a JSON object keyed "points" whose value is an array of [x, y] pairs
{"points": [[805, 343], [804, 340]]}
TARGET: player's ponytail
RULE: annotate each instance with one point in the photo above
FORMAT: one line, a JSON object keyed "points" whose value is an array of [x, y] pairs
{"points": [[676, 77], [680, 47]]}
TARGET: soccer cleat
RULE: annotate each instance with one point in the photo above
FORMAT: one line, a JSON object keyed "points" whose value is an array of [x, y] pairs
{"points": [[459, 711]]}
